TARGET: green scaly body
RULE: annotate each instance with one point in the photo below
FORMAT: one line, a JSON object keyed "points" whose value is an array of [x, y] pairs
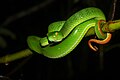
{"points": [[73, 31]]}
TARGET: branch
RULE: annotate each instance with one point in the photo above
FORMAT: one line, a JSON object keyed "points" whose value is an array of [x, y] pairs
{"points": [[15, 56], [110, 26]]}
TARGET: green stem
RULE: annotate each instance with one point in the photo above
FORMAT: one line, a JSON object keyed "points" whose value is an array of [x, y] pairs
{"points": [[111, 26], [15, 56]]}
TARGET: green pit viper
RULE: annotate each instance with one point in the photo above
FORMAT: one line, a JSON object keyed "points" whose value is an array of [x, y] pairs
{"points": [[64, 36]]}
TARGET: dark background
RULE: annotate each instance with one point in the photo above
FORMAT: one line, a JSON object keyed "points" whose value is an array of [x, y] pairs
{"points": [[81, 64]]}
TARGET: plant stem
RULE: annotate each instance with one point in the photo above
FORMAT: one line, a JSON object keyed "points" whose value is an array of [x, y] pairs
{"points": [[15, 56], [110, 26]]}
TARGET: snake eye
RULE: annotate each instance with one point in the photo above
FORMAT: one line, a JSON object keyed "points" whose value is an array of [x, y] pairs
{"points": [[55, 36], [56, 33]]}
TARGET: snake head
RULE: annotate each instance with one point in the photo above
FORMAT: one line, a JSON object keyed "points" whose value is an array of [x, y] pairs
{"points": [[55, 36]]}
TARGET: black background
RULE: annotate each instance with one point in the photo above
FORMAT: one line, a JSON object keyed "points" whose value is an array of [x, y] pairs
{"points": [[81, 64]]}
